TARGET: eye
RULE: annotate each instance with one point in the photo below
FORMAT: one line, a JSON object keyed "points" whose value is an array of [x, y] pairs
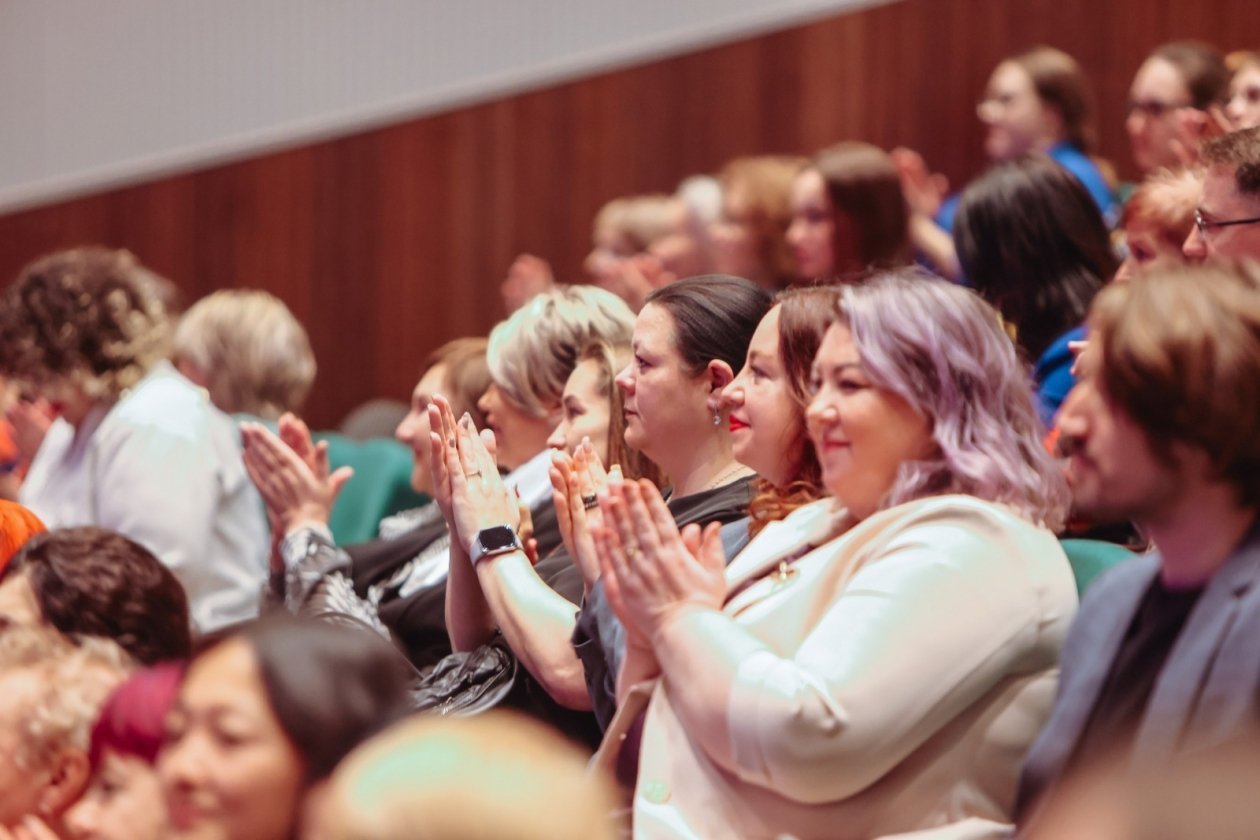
{"points": [[641, 362], [851, 385], [814, 385], [757, 373]]}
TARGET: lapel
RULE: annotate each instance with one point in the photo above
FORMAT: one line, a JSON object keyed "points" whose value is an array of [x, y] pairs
{"points": [[1100, 642], [803, 531], [1193, 659]]}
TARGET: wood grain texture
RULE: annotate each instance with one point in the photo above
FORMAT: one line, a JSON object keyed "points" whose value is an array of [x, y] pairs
{"points": [[389, 242]]}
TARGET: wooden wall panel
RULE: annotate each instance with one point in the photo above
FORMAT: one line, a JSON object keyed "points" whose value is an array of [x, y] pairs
{"points": [[389, 242]]}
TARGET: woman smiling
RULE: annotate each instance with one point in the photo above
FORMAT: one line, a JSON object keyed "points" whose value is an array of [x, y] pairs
{"points": [[876, 662]]}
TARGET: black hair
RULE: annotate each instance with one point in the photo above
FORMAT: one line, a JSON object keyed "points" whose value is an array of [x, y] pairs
{"points": [[330, 685], [714, 315], [1033, 243]]}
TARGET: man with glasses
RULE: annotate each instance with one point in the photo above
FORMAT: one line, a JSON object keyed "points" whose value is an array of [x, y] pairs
{"points": [[1227, 223]]}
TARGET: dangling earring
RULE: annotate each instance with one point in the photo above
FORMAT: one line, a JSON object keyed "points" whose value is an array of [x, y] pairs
{"points": [[717, 418]]}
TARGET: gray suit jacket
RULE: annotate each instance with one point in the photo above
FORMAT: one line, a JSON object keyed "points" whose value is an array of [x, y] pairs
{"points": [[1207, 692]]}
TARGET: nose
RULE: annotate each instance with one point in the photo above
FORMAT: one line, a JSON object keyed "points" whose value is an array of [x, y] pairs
{"points": [[625, 380], [732, 396], [406, 429], [559, 436], [1195, 247], [81, 817], [795, 231], [179, 765], [819, 413], [486, 402]]}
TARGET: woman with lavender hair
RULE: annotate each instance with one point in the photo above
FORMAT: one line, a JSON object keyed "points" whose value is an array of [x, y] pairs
{"points": [[877, 662]]}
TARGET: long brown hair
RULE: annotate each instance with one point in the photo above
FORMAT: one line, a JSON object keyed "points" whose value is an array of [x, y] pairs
{"points": [[804, 315], [634, 464], [1061, 84], [863, 185]]}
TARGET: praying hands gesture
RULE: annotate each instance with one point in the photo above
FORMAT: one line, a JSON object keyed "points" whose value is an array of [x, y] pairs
{"points": [[652, 571], [30, 828], [576, 481], [292, 473], [466, 478]]}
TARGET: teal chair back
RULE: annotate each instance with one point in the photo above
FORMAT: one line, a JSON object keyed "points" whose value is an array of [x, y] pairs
{"points": [[1090, 558], [381, 484]]}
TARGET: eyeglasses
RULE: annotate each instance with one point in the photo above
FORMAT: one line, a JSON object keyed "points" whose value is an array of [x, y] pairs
{"points": [[1150, 108], [1204, 225]]}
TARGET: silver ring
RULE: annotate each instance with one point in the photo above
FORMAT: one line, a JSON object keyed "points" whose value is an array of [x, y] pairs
{"points": [[590, 500]]}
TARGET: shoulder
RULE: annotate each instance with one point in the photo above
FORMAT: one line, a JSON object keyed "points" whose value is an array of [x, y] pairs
{"points": [[164, 403]]}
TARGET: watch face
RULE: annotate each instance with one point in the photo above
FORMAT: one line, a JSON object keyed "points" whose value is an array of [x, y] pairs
{"points": [[497, 538]]}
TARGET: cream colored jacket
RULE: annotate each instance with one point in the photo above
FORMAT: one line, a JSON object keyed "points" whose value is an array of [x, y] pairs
{"points": [[888, 681]]}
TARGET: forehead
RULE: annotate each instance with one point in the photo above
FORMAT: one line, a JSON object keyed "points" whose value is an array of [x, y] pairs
{"points": [[765, 340], [585, 380], [18, 689], [1158, 79], [225, 676], [433, 381], [1220, 192], [1010, 77], [808, 188], [654, 328], [838, 347]]}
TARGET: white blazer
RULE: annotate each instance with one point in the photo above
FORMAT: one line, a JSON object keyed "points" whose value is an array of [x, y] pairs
{"points": [[905, 667]]}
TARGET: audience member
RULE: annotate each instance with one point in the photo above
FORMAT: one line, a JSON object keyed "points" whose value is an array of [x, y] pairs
{"points": [[92, 582], [1162, 658], [248, 351], [1173, 103], [1031, 241], [1243, 107], [17, 525], [750, 238], [1037, 101], [123, 800], [401, 582], [848, 214], [810, 684], [1157, 219], [593, 427], [264, 715], [136, 448], [493, 777], [687, 340], [50, 692], [1227, 223]]}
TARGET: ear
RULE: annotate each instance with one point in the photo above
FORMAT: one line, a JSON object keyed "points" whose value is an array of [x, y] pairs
{"points": [[69, 772], [719, 375]]}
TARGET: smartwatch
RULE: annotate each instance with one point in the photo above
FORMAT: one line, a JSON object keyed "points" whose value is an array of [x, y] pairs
{"points": [[493, 541]]}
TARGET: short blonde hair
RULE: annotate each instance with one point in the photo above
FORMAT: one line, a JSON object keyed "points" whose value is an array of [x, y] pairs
{"points": [[495, 775], [254, 354], [93, 318], [74, 680], [532, 353]]}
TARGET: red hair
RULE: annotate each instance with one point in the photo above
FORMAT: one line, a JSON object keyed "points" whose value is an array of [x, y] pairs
{"points": [[17, 525], [132, 721]]}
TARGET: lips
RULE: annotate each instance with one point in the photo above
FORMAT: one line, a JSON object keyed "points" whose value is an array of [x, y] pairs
{"points": [[736, 424]]}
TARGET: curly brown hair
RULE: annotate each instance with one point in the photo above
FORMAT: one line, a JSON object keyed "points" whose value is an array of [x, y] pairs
{"points": [[87, 317]]}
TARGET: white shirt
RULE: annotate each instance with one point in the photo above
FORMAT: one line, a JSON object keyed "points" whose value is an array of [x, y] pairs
{"points": [[163, 467]]}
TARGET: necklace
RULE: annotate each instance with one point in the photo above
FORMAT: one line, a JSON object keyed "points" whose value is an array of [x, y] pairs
{"points": [[725, 476]]}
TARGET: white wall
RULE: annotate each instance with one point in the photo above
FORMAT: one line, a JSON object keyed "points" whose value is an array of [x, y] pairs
{"points": [[99, 93]]}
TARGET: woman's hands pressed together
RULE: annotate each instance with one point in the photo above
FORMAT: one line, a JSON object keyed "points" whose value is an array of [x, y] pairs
{"points": [[652, 572], [576, 482], [466, 478], [291, 473]]}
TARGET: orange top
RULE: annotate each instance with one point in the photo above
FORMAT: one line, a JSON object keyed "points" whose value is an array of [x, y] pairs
{"points": [[17, 525]]}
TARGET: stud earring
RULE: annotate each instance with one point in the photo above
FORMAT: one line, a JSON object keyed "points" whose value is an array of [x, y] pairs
{"points": [[717, 418]]}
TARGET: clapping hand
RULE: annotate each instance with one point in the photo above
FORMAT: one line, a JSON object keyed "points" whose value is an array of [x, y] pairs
{"points": [[466, 477], [576, 482], [651, 570], [296, 485]]}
